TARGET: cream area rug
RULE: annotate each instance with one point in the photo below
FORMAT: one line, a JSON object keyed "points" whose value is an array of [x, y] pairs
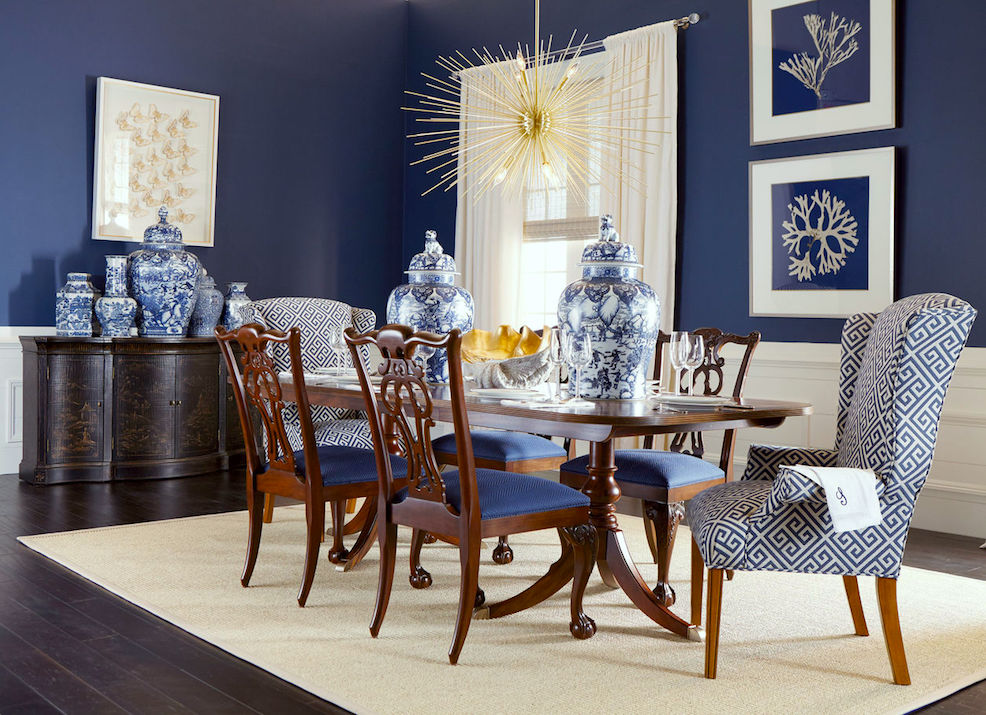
{"points": [[786, 639]]}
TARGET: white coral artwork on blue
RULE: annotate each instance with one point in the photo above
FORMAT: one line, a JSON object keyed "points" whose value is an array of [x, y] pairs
{"points": [[835, 42], [820, 235]]}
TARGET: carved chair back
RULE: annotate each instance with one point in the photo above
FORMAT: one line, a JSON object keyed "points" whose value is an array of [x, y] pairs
{"points": [[258, 394], [709, 374], [403, 400]]}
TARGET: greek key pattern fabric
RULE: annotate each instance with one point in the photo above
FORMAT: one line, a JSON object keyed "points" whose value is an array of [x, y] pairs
{"points": [[894, 383], [764, 460]]}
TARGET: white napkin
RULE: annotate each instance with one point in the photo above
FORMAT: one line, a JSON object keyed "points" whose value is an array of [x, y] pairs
{"points": [[850, 493]]}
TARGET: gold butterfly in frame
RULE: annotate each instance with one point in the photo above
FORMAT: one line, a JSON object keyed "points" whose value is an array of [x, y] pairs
{"points": [[169, 173], [136, 210], [136, 115], [123, 121], [184, 192], [135, 184], [155, 115], [139, 139], [184, 168], [186, 122], [174, 130], [183, 216], [170, 152]]}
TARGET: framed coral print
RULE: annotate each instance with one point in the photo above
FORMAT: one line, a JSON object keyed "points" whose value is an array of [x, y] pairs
{"points": [[155, 146], [822, 234], [820, 68]]}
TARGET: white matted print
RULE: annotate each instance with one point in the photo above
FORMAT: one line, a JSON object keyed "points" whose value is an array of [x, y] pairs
{"points": [[822, 234], [820, 68], [155, 146]]}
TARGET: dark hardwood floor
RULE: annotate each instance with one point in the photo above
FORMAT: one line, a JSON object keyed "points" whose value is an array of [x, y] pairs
{"points": [[69, 646]]}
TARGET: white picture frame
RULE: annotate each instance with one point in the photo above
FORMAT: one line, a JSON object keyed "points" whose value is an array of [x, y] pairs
{"points": [[155, 146], [845, 199], [821, 93]]}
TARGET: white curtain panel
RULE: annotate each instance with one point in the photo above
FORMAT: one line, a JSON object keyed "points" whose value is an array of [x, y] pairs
{"points": [[644, 203], [488, 230]]}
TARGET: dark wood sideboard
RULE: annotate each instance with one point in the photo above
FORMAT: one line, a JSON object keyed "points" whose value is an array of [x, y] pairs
{"points": [[107, 409]]}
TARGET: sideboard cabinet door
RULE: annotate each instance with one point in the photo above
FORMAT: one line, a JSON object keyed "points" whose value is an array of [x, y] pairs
{"points": [[74, 409], [196, 387], [144, 407]]}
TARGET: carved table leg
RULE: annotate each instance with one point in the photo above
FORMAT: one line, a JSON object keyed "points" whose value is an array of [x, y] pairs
{"points": [[604, 492], [665, 519], [559, 573], [583, 541]]}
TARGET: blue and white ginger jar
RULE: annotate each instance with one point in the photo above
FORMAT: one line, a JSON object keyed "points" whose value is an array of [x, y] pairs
{"points": [[74, 303], [234, 314], [116, 310], [430, 300], [208, 307], [619, 313], [162, 278]]}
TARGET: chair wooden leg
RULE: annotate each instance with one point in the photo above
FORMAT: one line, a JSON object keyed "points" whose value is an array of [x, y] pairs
{"points": [[253, 538], [350, 506], [268, 508], [698, 575], [315, 515], [418, 577], [468, 587], [886, 592], [714, 611], [338, 553], [502, 553], [388, 561], [664, 518], [650, 532], [582, 539], [855, 605]]}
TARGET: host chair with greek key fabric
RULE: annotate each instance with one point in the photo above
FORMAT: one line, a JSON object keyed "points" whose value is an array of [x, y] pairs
{"points": [[894, 372], [314, 316]]}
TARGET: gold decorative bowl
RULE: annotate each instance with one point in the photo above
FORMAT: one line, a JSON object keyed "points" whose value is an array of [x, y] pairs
{"points": [[506, 357]]}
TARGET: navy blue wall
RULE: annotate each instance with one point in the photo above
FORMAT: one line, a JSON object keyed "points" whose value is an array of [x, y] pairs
{"points": [[941, 181], [310, 138]]}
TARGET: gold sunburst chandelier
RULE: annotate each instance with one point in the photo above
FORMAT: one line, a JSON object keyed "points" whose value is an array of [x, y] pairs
{"points": [[530, 119]]}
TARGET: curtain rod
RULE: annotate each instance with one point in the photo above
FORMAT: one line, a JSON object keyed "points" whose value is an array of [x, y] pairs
{"points": [[682, 23]]}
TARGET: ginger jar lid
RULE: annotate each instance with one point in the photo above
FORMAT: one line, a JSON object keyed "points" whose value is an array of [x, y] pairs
{"points": [[433, 259], [162, 231], [609, 250]]}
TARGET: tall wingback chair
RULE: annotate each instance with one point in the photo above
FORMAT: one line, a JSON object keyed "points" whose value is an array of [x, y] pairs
{"points": [[894, 372]]}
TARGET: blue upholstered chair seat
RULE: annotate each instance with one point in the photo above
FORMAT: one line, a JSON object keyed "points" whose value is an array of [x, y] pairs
{"points": [[503, 494], [346, 465], [653, 467], [503, 446]]}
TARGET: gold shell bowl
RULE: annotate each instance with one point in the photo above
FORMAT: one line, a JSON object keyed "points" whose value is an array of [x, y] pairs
{"points": [[506, 357]]}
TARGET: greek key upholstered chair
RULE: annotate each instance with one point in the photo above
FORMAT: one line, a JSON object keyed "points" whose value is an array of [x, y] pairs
{"points": [[894, 372]]}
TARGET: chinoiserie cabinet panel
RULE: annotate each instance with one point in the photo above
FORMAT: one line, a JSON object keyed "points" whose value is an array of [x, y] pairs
{"points": [[103, 409]]}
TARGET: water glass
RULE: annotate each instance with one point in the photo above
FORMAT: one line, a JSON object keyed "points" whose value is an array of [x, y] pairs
{"points": [[694, 357], [337, 344], [580, 355], [677, 352], [557, 356]]}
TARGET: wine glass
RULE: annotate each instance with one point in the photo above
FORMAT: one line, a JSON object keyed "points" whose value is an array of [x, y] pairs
{"points": [[677, 351], [557, 356], [337, 344], [580, 355], [694, 357]]}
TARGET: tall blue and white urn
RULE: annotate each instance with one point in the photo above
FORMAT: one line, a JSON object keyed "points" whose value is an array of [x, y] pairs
{"points": [[208, 307], [116, 310], [619, 313], [430, 300], [162, 277], [234, 315], [74, 304]]}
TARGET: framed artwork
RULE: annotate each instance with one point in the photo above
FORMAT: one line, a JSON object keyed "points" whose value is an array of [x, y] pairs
{"points": [[820, 68], [822, 234], [155, 146]]}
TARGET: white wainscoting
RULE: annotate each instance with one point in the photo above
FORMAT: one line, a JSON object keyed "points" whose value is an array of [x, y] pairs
{"points": [[11, 401], [954, 498]]}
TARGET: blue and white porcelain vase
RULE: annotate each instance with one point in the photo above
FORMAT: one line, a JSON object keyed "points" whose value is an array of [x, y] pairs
{"points": [[208, 307], [619, 313], [236, 300], [430, 300], [116, 310], [74, 302], [162, 277]]}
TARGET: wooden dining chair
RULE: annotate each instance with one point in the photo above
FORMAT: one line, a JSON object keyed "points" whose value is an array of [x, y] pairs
{"points": [[461, 506], [664, 480], [893, 376], [315, 474]]}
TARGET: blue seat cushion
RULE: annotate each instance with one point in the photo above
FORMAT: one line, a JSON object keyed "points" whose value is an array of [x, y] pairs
{"points": [[347, 465], [503, 446], [503, 494], [654, 468]]}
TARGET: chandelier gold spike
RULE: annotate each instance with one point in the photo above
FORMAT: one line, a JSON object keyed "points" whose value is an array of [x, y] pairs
{"points": [[530, 119]]}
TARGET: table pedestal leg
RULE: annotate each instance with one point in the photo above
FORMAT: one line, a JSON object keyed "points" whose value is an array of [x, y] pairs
{"points": [[559, 573], [604, 492]]}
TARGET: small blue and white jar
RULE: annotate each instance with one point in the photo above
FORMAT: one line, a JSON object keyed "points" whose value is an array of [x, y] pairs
{"points": [[431, 301], [162, 276], [236, 300], [208, 307], [116, 310], [74, 303], [619, 313]]}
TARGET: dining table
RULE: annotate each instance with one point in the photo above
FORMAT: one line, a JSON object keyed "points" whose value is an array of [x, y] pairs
{"points": [[599, 423]]}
